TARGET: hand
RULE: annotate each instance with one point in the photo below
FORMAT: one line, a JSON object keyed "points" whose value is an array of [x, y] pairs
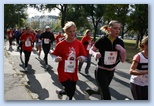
{"points": [[58, 59], [118, 47], [30, 38], [97, 55], [79, 59]]}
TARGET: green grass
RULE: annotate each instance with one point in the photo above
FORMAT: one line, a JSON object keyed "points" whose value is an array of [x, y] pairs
{"points": [[130, 49]]}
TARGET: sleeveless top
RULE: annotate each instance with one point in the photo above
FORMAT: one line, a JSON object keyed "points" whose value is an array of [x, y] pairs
{"points": [[141, 80]]}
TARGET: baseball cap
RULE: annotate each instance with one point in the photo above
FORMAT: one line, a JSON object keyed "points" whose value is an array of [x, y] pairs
{"points": [[47, 27]]}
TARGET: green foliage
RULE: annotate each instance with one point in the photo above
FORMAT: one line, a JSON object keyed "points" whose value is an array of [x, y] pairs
{"points": [[14, 15], [130, 49], [117, 12], [139, 18]]}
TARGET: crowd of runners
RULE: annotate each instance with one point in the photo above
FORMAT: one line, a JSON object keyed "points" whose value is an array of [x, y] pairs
{"points": [[71, 54]]}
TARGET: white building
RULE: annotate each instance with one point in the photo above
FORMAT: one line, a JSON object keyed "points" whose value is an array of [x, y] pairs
{"points": [[44, 20]]}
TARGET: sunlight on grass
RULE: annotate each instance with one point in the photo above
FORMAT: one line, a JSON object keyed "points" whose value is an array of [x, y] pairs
{"points": [[130, 49]]}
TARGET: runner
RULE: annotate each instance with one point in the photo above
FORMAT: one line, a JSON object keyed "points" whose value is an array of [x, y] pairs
{"points": [[47, 39], [109, 49], [59, 37], [68, 52], [38, 43], [139, 72], [27, 39], [87, 43], [17, 36], [10, 36]]}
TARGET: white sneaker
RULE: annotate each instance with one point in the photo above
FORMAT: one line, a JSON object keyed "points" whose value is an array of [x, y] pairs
{"points": [[22, 70], [126, 99], [58, 93]]}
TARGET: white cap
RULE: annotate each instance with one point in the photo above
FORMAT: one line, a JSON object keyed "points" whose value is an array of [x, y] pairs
{"points": [[47, 27]]}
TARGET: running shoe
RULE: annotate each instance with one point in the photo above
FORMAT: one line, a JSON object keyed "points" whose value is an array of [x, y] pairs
{"points": [[88, 92], [26, 68], [46, 66], [60, 95], [87, 96]]}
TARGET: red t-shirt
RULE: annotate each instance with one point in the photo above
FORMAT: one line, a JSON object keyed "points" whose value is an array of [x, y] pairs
{"points": [[10, 34], [59, 38], [86, 41], [27, 44], [69, 52]]}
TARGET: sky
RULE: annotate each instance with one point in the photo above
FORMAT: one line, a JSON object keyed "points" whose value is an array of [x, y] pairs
{"points": [[32, 12]]}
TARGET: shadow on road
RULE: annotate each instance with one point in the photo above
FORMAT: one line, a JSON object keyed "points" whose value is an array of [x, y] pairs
{"points": [[118, 95], [35, 86], [122, 74]]}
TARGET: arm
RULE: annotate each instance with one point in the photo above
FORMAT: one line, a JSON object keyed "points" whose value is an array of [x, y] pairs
{"points": [[122, 52], [93, 52], [134, 71], [54, 57], [81, 58], [21, 38]]}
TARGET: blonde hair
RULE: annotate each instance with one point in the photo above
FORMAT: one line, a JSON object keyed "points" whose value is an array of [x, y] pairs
{"points": [[113, 22], [144, 41], [68, 24], [104, 28], [88, 30]]}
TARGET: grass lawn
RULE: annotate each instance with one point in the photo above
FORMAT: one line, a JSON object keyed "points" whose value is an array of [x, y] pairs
{"points": [[130, 49]]}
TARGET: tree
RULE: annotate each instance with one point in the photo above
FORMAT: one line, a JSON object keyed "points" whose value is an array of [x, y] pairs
{"points": [[139, 20], [14, 15], [95, 12], [117, 12]]}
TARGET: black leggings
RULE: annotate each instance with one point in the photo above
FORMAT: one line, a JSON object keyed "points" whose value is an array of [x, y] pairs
{"points": [[46, 50], [139, 92], [103, 79], [69, 87], [10, 42], [27, 56]]}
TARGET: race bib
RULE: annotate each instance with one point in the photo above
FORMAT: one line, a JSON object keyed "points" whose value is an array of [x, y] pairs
{"points": [[46, 41], [70, 66], [59, 39], [10, 35], [27, 43], [110, 57]]}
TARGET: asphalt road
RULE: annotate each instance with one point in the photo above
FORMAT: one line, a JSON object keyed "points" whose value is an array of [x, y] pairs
{"points": [[43, 83]]}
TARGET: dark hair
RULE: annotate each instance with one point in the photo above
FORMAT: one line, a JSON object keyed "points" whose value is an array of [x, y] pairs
{"points": [[28, 27]]}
